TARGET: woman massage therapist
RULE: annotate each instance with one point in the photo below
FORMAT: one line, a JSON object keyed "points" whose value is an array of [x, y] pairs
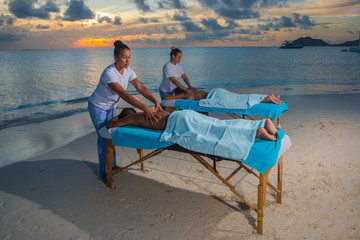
{"points": [[111, 87], [172, 72]]}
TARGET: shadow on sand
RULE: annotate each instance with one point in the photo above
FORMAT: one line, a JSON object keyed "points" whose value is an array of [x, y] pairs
{"points": [[136, 206]]}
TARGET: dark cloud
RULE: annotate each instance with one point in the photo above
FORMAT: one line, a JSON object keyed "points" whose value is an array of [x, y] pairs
{"points": [[143, 20], [198, 37], [104, 19], [39, 26], [117, 21], [270, 3], [171, 4], [10, 37], [189, 26], [147, 20], [77, 10], [351, 32], [141, 5], [234, 13], [239, 9], [302, 21], [246, 32], [247, 39], [296, 20], [181, 16], [170, 31], [6, 20], [286, 22], [26, 9], [212, 24]]}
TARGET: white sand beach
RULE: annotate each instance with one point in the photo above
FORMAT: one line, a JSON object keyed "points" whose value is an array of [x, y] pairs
{"points": [[58, 195]]}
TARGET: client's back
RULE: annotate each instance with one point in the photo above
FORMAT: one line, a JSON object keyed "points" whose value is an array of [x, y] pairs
{"points": [[129, 117]]}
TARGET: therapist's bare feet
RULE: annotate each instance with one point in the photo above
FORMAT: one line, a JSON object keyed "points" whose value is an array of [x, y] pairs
{"points": [[264, 135], [270, 127]]}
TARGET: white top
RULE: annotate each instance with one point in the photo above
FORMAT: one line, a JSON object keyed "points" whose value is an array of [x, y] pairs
{"points": [[170, 70], [103, 96]]}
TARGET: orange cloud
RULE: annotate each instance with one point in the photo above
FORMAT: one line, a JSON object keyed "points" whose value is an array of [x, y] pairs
{"points": [[93, 43]]}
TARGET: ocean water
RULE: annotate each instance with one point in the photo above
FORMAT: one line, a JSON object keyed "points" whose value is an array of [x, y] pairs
{"points": [[43, 98], [40, 85]]}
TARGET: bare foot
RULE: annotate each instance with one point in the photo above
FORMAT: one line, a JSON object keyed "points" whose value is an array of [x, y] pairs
{"points": [[270, 127], [271, 99], [274, 98], [263, 134]]}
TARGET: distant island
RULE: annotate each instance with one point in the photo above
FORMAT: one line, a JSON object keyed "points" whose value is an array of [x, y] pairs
{"points": [[308, 41]]}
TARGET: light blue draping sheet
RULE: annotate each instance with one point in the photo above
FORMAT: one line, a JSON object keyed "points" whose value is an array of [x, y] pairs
{"points": [[197, 132], [222, 98]]}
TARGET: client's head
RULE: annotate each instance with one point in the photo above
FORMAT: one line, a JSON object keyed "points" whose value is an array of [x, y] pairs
{"points": [[125, 112]]}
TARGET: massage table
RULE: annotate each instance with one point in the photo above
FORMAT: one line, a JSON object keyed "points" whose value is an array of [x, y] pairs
{"points": [[274, 111], [261, 153]]}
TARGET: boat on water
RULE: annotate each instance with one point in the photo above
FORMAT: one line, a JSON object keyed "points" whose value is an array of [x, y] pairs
{"points": [[355, 48], [287, 44]]}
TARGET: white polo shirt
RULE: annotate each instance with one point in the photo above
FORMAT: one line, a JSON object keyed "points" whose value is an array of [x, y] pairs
{"points": [[103, 96]]}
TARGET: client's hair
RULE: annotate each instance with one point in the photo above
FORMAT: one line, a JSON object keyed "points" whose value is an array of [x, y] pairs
{"points": [[178, 90], [125, 112]]}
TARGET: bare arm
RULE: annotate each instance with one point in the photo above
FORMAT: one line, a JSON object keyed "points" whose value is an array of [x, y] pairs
{"points": [[178, 84], [146, 93], [126, 96], [133, 101], [187, 81]]}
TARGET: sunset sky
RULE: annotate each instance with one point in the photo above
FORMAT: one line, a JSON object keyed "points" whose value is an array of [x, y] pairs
{"points": [[63, 24]]}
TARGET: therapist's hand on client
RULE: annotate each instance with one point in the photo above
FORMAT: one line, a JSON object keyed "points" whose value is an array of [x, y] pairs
{"points": [[149, 112]]}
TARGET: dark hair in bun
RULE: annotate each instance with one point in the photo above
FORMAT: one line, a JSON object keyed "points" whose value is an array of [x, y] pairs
{"points": [[119, 46], [175, 51]]}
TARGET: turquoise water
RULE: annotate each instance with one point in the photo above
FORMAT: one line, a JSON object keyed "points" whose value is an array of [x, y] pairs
{"points": [[40, 85]]}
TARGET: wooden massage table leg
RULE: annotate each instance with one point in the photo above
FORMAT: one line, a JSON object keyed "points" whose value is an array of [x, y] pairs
{"points": [[141, 154], [109, 160], [279, 180], [261, 200]]}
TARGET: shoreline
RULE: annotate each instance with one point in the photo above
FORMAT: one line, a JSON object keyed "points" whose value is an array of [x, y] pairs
{"points": [[58, 195]]}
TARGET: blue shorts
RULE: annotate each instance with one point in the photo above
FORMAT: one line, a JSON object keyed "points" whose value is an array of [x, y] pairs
{"points": [[163, 94]]}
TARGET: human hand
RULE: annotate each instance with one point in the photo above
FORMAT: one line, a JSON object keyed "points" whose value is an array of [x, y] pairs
{"points": [[192, 88], [158, 107], [151, 115], [189, 92]]}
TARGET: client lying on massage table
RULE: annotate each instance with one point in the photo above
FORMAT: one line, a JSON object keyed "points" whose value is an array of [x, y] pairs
{"points": [[198, 95], [129, 117]]}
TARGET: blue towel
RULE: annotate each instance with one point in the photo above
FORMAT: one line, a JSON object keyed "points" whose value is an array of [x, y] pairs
{"points": [[264, 154], [221, 98], [197, 132], [136, 137], [262, 109]]}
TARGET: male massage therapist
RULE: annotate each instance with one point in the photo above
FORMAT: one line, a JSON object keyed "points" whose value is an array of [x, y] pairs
{"points": [[112, 86]]}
